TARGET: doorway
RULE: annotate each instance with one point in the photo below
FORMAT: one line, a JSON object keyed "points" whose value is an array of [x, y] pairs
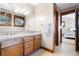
{"points": [[68, 29], [67, 46], [56, 32], [69, 35], [71, 32]]}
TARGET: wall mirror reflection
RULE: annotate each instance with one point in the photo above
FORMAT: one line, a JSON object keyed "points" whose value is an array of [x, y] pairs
{"points": [[5, 19], [18, 21]]}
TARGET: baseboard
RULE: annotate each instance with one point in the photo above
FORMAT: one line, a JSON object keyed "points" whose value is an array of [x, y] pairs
{"points": [[47, 49]]}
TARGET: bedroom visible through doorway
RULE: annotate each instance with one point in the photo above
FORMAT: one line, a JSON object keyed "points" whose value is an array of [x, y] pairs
{"points": [[68, 29]]}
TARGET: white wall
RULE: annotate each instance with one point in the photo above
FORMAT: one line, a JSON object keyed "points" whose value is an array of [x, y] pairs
{"points": [[30, 21], [44, 22]]}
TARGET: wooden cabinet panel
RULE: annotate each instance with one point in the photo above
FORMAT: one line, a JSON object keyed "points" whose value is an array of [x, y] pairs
{"points": [[19, 47], [27, 39], [28, 44], [28, 50], [37, 42], [13, 51]]}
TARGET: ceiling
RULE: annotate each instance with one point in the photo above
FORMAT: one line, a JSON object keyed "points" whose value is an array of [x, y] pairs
{"points": [[18, 7], [28, 7], [65, 6]]}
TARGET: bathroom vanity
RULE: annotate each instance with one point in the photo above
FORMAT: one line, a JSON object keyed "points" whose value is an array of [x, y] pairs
{"points": [[19, 45], [16, 44]]}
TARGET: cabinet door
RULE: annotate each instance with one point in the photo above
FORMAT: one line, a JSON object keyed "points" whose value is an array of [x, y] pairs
{"points": [[13, 51], [37, 42], [28, 50]]}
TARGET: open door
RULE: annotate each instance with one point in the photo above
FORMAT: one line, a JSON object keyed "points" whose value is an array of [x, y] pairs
{"points": [[60, 28], [77, 29]]}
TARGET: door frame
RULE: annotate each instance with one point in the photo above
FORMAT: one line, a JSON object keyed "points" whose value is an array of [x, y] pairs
{"points": [[65, 12], [60, 28], [56, 32], [76, 17], [76, 20], [61, 14]]}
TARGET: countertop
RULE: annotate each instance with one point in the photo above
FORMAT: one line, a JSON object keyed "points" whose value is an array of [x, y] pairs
{"points": [[20, 35]]}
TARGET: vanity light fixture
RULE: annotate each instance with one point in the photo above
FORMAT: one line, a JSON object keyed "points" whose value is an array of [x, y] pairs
{"points": [[22, 11], [27, 12], [17, 9]]}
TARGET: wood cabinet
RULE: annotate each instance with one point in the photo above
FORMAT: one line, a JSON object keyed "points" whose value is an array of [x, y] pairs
{"points": [[28, 51], [16, 50], [12, 47], [37, 42], [28, 45], [31, 44], [19, 47]]}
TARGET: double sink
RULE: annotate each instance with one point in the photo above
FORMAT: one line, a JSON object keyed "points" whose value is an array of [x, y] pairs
{"points": [[17, 35]]}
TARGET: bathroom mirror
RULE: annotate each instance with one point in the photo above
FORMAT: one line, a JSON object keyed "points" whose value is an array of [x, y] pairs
{"points": [[5, 19], [18, 21]]}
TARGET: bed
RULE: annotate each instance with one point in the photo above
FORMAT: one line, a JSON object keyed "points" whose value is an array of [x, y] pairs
{"points": [[70, 34]]}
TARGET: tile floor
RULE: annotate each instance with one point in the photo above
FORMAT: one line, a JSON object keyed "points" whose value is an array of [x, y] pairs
{"points": [[67, 48]]}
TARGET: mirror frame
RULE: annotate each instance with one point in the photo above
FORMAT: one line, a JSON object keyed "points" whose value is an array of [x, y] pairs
{"points": [[23, 18], [10, 18]]}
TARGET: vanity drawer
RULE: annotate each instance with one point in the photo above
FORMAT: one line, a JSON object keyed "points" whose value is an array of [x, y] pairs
{"points": [[28, 51], [28, 44], [27, 39], [11, 42], [37, 36]]}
